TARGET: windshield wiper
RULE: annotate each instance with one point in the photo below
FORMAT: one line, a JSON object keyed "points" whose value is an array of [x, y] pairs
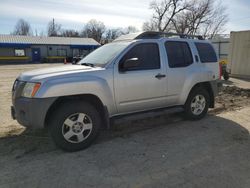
{"points": [[88, 64]]}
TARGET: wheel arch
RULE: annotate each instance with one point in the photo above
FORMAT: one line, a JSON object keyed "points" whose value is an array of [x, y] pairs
{"points": [[208, 87], [89, 98]]}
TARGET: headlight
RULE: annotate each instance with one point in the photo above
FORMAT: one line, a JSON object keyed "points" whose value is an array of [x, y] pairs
{"points": [[30, 89]]}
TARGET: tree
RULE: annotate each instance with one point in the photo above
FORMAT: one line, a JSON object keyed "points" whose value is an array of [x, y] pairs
{"points": [[206, 17], [130, 29], [150, 25], [216, 24], [203, 17], [70, 33], [94, 29], [22, 28], [164, 12], [112, 34], [42, 34], [54, 29]]}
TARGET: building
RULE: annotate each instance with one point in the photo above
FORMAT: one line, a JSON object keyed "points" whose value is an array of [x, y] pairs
{"points": [[25, 49], [221, 44], [239, 54]]}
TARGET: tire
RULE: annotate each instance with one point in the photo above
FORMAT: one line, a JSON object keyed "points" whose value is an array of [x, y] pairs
{"points": [[226, 76], [191, 106], [74, 125]]}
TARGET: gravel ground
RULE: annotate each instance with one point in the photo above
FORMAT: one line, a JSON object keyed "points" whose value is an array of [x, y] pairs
{"points": [[232, 98], [158, 151]]}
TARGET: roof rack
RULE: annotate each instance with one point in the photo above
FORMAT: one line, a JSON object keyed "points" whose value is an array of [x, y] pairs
{"points": [[155, 35]]}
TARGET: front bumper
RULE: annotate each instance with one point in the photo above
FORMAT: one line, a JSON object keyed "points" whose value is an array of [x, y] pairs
{"points": [[31, 112]]}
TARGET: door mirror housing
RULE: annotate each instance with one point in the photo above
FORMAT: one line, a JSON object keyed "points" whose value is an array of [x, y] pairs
{"points": [[129, 64]]}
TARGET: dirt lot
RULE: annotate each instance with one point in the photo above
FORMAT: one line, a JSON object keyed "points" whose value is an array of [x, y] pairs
{"points": [[159, 151]]}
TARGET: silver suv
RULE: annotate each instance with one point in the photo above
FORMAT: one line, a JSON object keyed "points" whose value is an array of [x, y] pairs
{"points": [[135, 73]]}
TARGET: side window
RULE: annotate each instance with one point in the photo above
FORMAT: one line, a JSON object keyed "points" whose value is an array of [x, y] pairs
{"points": [[206, 52], [179, 54], [147, 55]]}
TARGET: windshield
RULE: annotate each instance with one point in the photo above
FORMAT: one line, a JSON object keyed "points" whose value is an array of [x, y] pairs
{"points": [[104, 54]]}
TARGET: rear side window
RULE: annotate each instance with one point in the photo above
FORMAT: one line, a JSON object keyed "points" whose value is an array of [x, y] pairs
{"points": [[147, 54], [206, 52], [179, 54]]}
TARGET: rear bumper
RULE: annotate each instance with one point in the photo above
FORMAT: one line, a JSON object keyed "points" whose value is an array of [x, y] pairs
{"points": [[219, 86], [31, 112], [216, 87]]}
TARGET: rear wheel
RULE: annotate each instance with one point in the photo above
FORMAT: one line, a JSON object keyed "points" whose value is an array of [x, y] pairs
{"points": [[75, 125], [197, 104]]}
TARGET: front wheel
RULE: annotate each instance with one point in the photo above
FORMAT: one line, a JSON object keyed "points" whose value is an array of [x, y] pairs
{"points": [[197, 104], [75, 125]]}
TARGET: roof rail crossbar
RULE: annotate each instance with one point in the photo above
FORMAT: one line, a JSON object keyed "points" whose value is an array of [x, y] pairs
{"points": [[155, 35]]}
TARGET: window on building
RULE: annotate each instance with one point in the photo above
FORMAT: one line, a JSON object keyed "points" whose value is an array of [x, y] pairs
{"points": [[147, 54], [206, 52], [19, 52], [179, 54], [62, 52]]}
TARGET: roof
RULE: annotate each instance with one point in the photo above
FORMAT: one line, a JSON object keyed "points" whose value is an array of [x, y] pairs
{"points": [[130, 36], [18, 39], [243, 31]]}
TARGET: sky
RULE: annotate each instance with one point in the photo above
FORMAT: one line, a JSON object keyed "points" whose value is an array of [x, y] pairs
{"points": [[73, 14]]}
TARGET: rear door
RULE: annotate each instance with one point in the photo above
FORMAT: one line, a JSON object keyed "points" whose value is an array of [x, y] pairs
{"points": [[208, 58], [181, 65], [141, 88]]}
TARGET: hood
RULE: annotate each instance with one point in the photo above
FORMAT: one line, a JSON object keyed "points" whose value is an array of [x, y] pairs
{"points": [[40, 74]]}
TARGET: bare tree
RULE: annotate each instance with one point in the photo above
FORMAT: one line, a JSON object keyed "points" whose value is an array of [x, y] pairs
{"points": [[150, 25], [54, 29], [164, 12], [206, 17], [112, 34], [22, 28], [42, 34], [130, 29], [181, 23], [94, 29], [203, 17], [217, 21], [70, 33]]}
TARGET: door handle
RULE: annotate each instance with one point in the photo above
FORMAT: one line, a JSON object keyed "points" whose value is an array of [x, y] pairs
{"points": [[159, 76]]}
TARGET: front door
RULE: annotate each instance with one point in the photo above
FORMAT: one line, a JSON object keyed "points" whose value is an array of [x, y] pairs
{"points": [[36, 55], [142, 87]]}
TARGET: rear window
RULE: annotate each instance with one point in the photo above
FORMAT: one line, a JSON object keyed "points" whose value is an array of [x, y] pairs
{"points": [[179, 54], [206, 52]]}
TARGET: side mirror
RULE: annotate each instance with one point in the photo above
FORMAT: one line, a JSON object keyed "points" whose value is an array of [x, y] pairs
{"points": [[129, 63]]}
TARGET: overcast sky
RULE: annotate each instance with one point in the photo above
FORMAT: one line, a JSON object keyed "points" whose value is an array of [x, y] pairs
{"points": [[114, 13]]}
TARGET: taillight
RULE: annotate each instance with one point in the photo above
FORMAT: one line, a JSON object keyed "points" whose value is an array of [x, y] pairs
{"points": [[220, 69]]}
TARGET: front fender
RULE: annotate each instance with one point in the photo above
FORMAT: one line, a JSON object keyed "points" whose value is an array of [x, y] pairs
{"points": [[78, 85]]}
